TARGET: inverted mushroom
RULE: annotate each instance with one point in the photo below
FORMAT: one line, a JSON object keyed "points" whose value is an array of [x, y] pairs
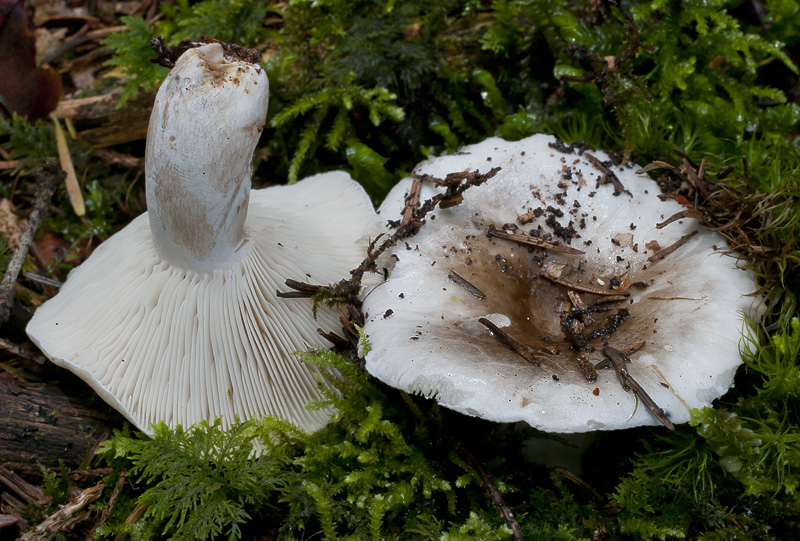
{"points": [[509, 305], [176, 317]]}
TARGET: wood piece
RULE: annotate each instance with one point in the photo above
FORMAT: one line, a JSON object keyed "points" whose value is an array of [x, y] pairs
{"points": [[627, 351], [66, 517], [8, 520], [664, 252], [494, 493], [42, 424], [581, 287], [458, 280], [509, 342], [112, 500], [608, 175], [618, 361], [688, 213], [20, 352], [28, 492], [412, 201], [578, 303], [302, 290], [535, 241], [135, 116], [526, 218], [588, 369]]}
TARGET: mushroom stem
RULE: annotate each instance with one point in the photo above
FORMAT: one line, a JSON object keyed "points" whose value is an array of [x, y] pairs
{"points": [[206, 121]]}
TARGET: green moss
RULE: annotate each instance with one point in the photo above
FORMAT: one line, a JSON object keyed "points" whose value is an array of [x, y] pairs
{"points": [[374, 86], [384, 468]]}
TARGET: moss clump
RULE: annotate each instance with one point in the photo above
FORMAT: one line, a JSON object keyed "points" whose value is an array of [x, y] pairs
{"points": [[376, 85]]}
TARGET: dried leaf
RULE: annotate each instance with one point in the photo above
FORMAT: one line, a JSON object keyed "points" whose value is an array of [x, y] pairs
{"points": [[25, 89]]}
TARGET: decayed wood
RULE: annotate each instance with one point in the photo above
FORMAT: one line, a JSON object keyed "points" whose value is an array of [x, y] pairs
{"points": [[134, 117], [42, 424], [66, 517]]}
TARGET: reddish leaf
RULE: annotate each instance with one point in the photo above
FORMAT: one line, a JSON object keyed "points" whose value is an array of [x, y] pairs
{"points": [[24, 88]]}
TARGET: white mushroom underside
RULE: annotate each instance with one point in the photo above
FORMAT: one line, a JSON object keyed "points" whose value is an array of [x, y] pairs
{"points": [[430, 342], [124, 314]]}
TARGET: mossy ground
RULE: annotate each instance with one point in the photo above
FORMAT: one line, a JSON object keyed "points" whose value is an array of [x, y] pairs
{"points": [[374, 86]]}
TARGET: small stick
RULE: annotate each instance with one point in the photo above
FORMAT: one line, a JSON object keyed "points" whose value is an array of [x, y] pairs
{"points": [[688, 213], [632, 348], [28, 492], [44, 280], [66, 517], [661, 254], [628, 383], [587, 367], [302, 290], [566, 474], [618, 362], [626, 352], [494, 492], [412, 201], [459, 280], [578, 303], [535, 241], [509, 342], [609, 299], [650, 404], [608, 175], [112, 501], [10, 346], [335, 339], [586, 289], [46, 180]]}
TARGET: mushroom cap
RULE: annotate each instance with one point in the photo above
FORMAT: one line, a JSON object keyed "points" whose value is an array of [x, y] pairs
{"points": [[423, 328], [159, 342]]}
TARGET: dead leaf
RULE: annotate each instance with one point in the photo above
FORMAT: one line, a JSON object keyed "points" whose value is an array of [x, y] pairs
{"points": [[25, 89], [11, 227]]}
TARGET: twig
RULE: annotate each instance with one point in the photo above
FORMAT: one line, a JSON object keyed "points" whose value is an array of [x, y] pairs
{"points": [[588, 369], [112, 501], [608, 175], [579, 305], [302, 290], [688, 213], [494, 493], [535, 241], [46, 180], [586, 289], [65, 518], [412, 201], [509, 342], [627, 351], [458, 280], [20, 352], [566, 474], [8, 520], [28, 492], [661, 254], [628, 383]]}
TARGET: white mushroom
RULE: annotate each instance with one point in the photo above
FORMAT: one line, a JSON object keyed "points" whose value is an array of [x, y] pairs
{"points": [[432, 335], [176, 317]]}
